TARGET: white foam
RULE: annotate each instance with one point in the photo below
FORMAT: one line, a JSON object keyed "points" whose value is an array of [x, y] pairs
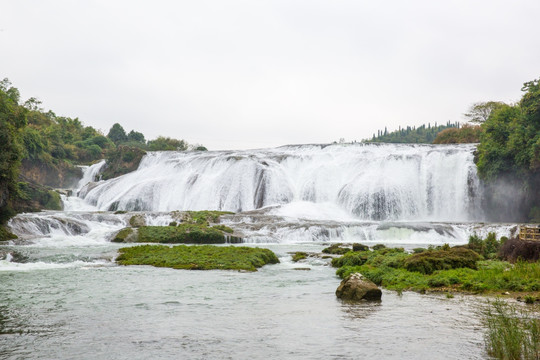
{"points": [[34, 266]]}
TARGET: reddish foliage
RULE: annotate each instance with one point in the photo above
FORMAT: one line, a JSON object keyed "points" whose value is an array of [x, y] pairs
{"points": [[515, 249]]}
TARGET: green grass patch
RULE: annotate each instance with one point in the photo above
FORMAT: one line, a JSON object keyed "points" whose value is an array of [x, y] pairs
{"points": [[204, 257]]}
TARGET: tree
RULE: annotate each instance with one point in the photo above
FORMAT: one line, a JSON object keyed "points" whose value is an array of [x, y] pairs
{"points": [[509, 149], [136, 136], [12, 120], [167, 144], [117, 134], [479, 112]]}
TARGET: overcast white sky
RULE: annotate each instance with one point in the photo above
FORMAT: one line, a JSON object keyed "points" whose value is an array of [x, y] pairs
{"points": [[250, 74]]}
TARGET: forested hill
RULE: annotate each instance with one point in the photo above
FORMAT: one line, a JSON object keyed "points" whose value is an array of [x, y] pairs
{"points": [[39, 150], [424, 134]]}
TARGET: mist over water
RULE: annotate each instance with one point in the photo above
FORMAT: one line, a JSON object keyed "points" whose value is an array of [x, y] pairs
{"points": [[361, 181]]}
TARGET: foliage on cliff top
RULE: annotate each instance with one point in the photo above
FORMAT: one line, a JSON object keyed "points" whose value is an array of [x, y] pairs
{"points": [[200, 257], [466, 134]]}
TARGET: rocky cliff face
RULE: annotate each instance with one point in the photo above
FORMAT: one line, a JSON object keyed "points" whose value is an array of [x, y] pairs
{"points": [[55, 176]]}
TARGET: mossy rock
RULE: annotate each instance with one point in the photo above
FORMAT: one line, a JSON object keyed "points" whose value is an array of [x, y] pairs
{"points": [[185, 234], [5, 234], [336, 249], [126, 235], [299, 255], [359, 247], [33, 197], [203, 257]]}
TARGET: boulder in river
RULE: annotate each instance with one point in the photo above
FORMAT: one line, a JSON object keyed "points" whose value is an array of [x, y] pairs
{"points": [[356, 287]]}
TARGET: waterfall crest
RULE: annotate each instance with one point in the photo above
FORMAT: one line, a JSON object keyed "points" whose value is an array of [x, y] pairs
{"points": [[367, 181]]}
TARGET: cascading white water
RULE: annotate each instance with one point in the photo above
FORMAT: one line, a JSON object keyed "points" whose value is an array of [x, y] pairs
{"points": [[366, 181]]}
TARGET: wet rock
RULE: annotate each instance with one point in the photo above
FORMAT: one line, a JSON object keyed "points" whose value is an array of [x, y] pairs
{"points": [[356, 287], [137, 220]]}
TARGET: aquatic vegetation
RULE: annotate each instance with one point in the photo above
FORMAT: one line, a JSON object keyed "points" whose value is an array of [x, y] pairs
{"points": [[512, 333], [203, 257]]}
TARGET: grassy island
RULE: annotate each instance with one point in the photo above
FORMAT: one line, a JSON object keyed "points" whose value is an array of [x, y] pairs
{"points": [[445, 268], [203, 257]]}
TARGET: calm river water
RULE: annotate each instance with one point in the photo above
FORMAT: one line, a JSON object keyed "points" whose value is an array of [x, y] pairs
{"points": [[72, 302]]}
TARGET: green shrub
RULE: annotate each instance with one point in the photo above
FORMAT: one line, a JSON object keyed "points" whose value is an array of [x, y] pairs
{"points": [[430, 261], [350, 259]]}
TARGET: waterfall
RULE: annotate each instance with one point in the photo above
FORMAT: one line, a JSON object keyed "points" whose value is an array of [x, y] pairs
{"points": [[364, 181]]}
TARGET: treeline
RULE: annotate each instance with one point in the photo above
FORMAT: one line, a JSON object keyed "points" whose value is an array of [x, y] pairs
{"points": [[424, 134], [38, 147]]}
